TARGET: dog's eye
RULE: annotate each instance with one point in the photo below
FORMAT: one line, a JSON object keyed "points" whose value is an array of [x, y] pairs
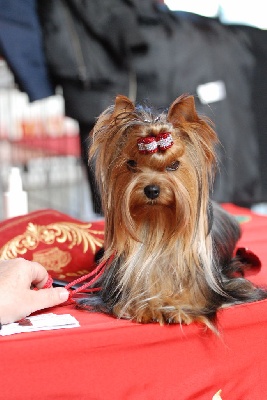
{"points": [[173, 166], [131, 164]]}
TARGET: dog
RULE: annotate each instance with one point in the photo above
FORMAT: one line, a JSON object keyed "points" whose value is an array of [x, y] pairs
{"points": [[168, 247]]}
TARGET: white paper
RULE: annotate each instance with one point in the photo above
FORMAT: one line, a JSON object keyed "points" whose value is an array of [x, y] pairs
{"points": [[42, 322]]}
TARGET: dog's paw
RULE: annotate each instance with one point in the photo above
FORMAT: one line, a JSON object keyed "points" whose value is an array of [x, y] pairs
{"points": [[162, 315], [165, 317]]}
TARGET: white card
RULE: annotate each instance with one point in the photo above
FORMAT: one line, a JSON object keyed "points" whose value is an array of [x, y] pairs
{"points": [[42, 322]]}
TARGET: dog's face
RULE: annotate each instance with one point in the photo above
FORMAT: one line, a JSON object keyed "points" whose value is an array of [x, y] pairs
{"points": [[152, 177], [153, 169]]}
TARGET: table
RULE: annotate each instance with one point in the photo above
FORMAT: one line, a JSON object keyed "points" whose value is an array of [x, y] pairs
{"points": [[112, 359], [106, 358]]}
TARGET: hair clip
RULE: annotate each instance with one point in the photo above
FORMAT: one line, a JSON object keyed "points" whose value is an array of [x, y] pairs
{"points": [[151, 144]]}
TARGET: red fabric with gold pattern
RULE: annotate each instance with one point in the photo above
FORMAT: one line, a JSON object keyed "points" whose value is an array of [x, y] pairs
{"points": [[63, 245]]}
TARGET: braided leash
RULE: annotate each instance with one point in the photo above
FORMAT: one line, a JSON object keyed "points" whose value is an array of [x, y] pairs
{"points": [[85, 288]]}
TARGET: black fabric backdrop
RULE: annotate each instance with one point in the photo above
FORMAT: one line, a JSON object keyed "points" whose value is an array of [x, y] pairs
{"points": [[96, 50]]}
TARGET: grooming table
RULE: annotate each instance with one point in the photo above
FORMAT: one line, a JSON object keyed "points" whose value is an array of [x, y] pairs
{"points": [[112, 359]]}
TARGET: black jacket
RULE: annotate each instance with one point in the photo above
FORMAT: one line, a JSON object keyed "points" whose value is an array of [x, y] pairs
{"points": [[96, 50]]}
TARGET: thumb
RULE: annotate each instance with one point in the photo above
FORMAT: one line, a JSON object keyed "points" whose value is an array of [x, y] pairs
{"points": [[45, 298]]}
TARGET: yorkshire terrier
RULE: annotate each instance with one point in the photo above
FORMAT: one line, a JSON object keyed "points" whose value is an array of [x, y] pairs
{"points": [[168, 247]]}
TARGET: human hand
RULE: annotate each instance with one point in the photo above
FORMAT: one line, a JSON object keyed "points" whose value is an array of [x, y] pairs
{"points": [[17, 300]]}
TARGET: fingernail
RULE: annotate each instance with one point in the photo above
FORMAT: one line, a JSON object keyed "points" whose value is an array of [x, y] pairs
{"points": [[64, 295]]}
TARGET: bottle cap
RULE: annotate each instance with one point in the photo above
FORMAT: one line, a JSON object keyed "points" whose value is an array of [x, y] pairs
{"points": [[14, 180]]}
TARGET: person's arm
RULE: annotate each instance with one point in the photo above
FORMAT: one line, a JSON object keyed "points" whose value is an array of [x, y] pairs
{"points": [[17, 299]]}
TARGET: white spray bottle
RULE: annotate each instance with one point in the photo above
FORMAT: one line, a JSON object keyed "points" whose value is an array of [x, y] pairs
{"points": [[15, 198]]}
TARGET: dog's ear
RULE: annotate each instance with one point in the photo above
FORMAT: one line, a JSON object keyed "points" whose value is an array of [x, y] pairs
{"points": [[122, 105], [182, 110]]}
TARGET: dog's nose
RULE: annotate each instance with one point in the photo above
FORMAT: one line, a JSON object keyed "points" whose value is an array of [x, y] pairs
{"points": [[152, 191]]}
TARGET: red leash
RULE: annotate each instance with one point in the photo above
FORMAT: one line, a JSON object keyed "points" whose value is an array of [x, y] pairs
{"points": [[96, 273]]}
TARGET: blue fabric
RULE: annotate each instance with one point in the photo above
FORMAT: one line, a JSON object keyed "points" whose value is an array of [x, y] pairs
{"points": [[22, 46]]}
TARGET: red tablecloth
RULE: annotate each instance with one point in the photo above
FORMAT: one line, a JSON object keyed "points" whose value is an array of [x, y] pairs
{"points": [[113, 359]]}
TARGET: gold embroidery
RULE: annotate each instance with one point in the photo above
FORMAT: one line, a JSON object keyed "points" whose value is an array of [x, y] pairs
{"points": [[74, 274], [52, 259], [61, 232]]}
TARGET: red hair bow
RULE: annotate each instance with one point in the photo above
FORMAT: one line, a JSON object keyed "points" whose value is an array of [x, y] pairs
{"points": [[151, 144]]}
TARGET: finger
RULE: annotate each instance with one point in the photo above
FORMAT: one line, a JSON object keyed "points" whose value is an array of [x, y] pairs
{"points": [[45, 298], [33, 301], [39, 275]]}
